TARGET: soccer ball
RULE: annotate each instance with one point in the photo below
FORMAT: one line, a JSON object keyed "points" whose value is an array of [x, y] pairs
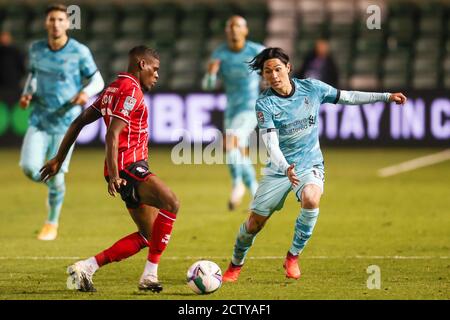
{"points": [[204, 277]]}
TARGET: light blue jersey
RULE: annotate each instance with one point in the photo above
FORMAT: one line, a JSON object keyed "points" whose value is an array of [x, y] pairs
{"points": [[59, 75], [240, 82], [296, 119]]}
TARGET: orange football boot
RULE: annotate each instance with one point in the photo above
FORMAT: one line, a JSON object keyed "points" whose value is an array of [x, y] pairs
{"points": [[291, 266], [232, 273]]}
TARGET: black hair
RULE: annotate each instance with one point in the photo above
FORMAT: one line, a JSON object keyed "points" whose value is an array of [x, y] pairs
{"points": [[257, 63], [141, 51], [56, 7]]}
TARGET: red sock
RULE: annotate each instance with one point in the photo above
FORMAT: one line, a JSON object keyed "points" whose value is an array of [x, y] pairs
{"points": [[162, 228], [124, 248]]}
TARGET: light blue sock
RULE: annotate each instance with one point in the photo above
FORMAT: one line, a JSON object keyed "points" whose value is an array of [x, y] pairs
{"points": [[243, 243], [234, 161], [249, 175], [56, 191], [304, 226]]}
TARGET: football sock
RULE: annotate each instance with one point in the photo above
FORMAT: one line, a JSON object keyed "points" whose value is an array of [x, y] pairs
{"points": [[151, 268], [122, 249], [304, 226], [56, 191], [243, 243], [92, 263], [162, 228], [249, 175], [234, 161]]}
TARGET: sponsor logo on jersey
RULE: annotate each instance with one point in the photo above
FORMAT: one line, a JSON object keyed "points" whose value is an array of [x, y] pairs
{"points": [[129, 103]]}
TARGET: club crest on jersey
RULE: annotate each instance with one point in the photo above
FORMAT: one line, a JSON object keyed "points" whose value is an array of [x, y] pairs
{"points": [[260, 116], [129, 103], [141, 170], [306, 101]]}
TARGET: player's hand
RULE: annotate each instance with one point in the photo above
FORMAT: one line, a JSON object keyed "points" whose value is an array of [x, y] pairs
{"points": [[292, 176], [214, 67], [398, 98], [50, 169], [25, 100], [80, 99], [114, 185]]}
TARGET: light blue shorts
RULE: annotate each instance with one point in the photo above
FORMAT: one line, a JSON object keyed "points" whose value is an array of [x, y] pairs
{"points": [[273, 190], [38, 147], [241, 126]]}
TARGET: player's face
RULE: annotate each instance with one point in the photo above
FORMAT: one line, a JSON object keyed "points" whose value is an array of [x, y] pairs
{"points": [[149, 73], [57, 24], [236, 29], [276, 73]]}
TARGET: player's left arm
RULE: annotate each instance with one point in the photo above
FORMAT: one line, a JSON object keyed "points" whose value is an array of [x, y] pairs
{"points": [[88, 70], [328, 94], [52, 166], [209, 80], [360, 97], [94, 86]]}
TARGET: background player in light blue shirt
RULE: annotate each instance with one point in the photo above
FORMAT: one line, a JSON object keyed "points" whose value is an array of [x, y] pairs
{"points": [[288, 114], [230, 62], [55, 90]]}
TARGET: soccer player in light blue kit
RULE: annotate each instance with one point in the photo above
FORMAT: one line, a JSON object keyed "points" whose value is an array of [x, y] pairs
{"points": [[54, 87], [288, 114], [230, 62]]}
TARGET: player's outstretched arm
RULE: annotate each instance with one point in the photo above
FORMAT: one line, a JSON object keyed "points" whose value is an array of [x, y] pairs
{"points": [[52, 166], [359, 97], [95, 85], [209, 81], [112, 152]]}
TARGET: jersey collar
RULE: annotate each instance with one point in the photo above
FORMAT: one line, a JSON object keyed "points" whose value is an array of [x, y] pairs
{"points": [[290, 93], [65, 44], [130, 76]]}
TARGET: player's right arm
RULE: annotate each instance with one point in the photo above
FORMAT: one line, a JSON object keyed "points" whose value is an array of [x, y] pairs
{"points": [[52, 166], [270, 138], [112, 153], [28, 91], [209, 81], [30, 86]]}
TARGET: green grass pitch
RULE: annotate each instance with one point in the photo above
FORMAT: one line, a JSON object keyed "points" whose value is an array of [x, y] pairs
{"points": [[401, 224]]}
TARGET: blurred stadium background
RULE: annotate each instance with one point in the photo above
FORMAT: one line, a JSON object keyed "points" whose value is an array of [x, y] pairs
{"points": [[412, 48], [410, 52]]}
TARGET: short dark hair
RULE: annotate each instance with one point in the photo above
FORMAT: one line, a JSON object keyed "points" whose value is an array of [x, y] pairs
{"points": [[56, 7], [143, 51], [257, 63]]}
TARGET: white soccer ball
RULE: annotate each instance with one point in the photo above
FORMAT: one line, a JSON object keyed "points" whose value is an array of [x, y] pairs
{"points": [[204, 277]]}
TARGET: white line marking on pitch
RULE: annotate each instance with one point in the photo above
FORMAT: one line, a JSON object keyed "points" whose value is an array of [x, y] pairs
{"points": [[415, 164], [250, 258]]}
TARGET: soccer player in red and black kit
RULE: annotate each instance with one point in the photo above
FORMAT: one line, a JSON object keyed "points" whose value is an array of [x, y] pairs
{"points": [[152, 205]]}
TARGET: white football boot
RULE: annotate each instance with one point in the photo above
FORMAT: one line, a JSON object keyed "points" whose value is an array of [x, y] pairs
{"points": [[80, 277]]}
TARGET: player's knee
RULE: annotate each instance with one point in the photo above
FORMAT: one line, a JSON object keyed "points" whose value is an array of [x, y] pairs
{"points": [[310, 198], [254, 226], [171, 203], [31, 172]]}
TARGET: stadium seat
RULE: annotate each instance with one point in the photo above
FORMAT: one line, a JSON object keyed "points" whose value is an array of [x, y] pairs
{"points": [[132, 26], [366, 64], [182, 82], [425, 80], [394, 81]]}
